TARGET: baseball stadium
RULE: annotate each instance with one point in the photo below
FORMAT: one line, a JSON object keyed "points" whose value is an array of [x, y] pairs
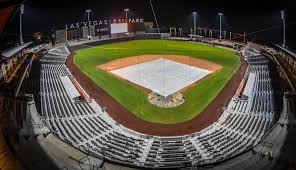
{"points": [[138, 90]]}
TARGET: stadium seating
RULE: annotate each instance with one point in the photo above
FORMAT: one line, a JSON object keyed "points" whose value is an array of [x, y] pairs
{"points": [[85, 126]]}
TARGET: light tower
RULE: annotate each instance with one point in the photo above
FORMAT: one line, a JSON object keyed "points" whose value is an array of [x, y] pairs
{"points": [[21, 28], [220, 16], [88, 11], [284, 27], [126, 10], [194, 22], [210, 33]]}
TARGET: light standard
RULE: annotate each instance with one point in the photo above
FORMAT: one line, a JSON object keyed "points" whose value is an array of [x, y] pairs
{"points": [[210, 33], [284, 25], [126, 10], [220, 16], [21, 26], [194, 22], [88, 11], [180, 30]]}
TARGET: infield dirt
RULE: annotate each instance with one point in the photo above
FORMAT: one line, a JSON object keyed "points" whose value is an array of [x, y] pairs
{"points": [[128, 61]]}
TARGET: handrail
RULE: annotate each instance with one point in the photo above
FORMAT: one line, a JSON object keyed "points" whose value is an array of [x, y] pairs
{"points": [[34, 55], [9, 77]]}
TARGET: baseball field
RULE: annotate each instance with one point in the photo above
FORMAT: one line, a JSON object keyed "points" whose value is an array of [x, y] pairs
{"points": [[134, 98]]}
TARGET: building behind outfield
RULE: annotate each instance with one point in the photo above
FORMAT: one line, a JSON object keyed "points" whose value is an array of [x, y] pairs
{"points": [[97, 28]]}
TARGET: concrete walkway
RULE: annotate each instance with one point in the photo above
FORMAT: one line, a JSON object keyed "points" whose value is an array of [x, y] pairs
{"points": [[7, 160]]}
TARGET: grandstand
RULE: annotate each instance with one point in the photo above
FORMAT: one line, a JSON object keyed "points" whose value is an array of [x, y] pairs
{"points": [[51, 120], [87, 127], [83, 124]]}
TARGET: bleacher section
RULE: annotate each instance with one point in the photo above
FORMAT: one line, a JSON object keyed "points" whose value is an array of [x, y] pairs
{"points": [[87, 127]]}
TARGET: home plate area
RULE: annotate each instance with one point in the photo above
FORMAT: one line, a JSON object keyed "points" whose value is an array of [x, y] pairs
{"points": [[162, 76]]}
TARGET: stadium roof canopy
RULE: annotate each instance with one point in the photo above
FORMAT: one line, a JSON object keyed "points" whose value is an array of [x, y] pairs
{"points": [[6, 54], [286, 50]]}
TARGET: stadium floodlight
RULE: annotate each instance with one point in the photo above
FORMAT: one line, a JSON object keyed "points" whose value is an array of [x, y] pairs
{"points": [[210, 33], [126, 10], [284, 27], [21, 22], [88, 11], [194, 22], [220, 16]]}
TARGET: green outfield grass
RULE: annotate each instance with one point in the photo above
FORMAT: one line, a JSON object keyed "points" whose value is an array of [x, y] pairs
{"points": [[135, 100]]}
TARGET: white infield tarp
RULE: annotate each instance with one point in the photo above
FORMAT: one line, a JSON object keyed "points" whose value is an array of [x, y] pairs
{"points": [[162, 76]]}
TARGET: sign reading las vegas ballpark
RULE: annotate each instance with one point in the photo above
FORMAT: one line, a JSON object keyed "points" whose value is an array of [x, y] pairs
{"points": [[103, 22]]}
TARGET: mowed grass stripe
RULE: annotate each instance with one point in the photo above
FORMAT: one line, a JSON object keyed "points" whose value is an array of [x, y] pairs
{"points": [[135, 100]]}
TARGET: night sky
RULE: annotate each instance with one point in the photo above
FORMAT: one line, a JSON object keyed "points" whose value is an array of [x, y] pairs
{"points": [[239, 16]]}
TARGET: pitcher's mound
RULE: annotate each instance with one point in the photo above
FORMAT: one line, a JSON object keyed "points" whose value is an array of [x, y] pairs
{"points": [[170, 101]]}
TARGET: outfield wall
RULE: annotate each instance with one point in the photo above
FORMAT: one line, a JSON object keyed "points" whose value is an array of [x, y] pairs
{"points": [[114, 40]]}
